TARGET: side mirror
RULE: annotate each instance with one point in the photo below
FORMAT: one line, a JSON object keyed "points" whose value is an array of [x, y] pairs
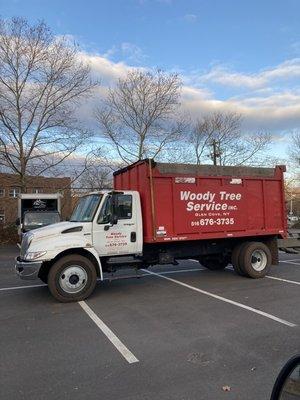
{"points": [[287, 385], [113, 220], [18, 221]]}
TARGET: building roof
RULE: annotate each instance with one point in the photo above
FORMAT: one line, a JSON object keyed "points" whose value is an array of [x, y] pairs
{"points": [[32, 181]]}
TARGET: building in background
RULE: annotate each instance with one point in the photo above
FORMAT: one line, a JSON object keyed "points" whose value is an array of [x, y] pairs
{"points": [[10, 189]]}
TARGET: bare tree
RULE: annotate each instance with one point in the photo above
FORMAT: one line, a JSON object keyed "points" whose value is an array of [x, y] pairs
{"points": [[41, 82], [294, 149], [219, 137], [139, 117], [96, 177]]}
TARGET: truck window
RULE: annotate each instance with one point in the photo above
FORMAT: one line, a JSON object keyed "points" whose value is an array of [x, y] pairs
{"points": [[123, 208], [86, 208], [105, 212]]}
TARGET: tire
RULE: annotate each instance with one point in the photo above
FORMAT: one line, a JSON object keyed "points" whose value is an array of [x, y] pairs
{"points": [[213, 264], [255, 259], [235, 258], [72, 278]]}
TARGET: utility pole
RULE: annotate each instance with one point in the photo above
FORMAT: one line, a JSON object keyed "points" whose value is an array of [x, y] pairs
{"points": [[216, 153], [291, 206]]}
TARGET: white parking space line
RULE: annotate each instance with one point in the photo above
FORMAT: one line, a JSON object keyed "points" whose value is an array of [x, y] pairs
{"points": [[109, 279], [275, 278], [281, 279], [129, 357], [290, 262], [294, 263], [179, 271], [224, 299], [22, 287]]}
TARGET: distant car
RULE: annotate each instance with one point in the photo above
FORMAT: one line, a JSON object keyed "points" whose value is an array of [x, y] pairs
{"points": [[293, 218], [36, 210], [37, 219]]}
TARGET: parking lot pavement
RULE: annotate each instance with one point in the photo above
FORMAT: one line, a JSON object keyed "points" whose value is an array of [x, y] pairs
{"points": [[190, 335]]}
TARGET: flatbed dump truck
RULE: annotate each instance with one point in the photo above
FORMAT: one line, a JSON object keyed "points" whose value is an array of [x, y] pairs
{"points": [[159, 213]]}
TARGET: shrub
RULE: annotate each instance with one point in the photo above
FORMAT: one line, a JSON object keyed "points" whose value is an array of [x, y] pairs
{"points": [[9, 234]]}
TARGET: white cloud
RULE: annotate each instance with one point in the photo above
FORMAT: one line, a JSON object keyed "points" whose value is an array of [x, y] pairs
{"points": [[274, 113], [219, 74], [127, 51], [223, 76], [264, 109], [103, 69]]}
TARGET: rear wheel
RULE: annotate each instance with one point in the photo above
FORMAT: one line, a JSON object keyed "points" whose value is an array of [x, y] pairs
{"points": [[235, 258], [213, 264], [255, 259], [72, 278]]}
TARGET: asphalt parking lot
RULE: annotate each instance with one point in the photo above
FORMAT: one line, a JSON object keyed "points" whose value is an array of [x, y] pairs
{"points": [[183, 333]]}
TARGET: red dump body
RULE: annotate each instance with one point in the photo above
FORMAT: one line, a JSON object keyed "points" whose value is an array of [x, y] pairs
{"points": [[190, 202]]}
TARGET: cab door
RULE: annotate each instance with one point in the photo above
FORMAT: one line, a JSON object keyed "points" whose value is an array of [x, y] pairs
{"points": [[121, 237]]}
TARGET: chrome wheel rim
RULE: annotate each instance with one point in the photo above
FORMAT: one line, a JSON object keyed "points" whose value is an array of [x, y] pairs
{"points": [[73, 279], [259, 260]]}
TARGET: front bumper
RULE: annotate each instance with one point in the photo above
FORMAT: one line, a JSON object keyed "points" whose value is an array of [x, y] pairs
{"points": [[27, 270]]}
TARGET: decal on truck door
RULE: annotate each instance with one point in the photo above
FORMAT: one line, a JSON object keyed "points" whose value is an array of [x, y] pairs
{"points": [[115, 240]]}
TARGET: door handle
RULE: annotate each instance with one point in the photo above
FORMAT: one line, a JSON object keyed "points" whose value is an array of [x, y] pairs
{"points": [[133, 237]]}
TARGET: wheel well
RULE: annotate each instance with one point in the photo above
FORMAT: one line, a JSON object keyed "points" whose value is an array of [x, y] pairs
{"points": [[270, 241], [45, 268]]}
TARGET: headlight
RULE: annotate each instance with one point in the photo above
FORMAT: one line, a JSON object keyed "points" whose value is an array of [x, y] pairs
{"points": [[33, 255]]}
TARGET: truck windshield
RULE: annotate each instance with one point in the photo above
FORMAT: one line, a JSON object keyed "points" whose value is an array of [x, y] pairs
{"points": [[34, 220], [86, 208]]}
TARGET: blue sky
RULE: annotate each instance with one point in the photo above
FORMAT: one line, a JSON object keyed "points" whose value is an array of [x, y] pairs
{"points": [[240, 55], [177, 34]]}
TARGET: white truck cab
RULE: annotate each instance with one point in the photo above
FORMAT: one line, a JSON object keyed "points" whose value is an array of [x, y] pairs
{"points": [[69, 255]]}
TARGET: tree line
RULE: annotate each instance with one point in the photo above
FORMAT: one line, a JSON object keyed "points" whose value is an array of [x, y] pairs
{"points": [[43, 82]]}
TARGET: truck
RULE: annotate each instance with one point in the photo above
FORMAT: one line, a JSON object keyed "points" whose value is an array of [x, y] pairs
{"points": [[159, 213], [36, 210]]}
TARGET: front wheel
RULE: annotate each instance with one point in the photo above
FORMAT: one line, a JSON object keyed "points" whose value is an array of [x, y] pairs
{"points": [[72, 278]]}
